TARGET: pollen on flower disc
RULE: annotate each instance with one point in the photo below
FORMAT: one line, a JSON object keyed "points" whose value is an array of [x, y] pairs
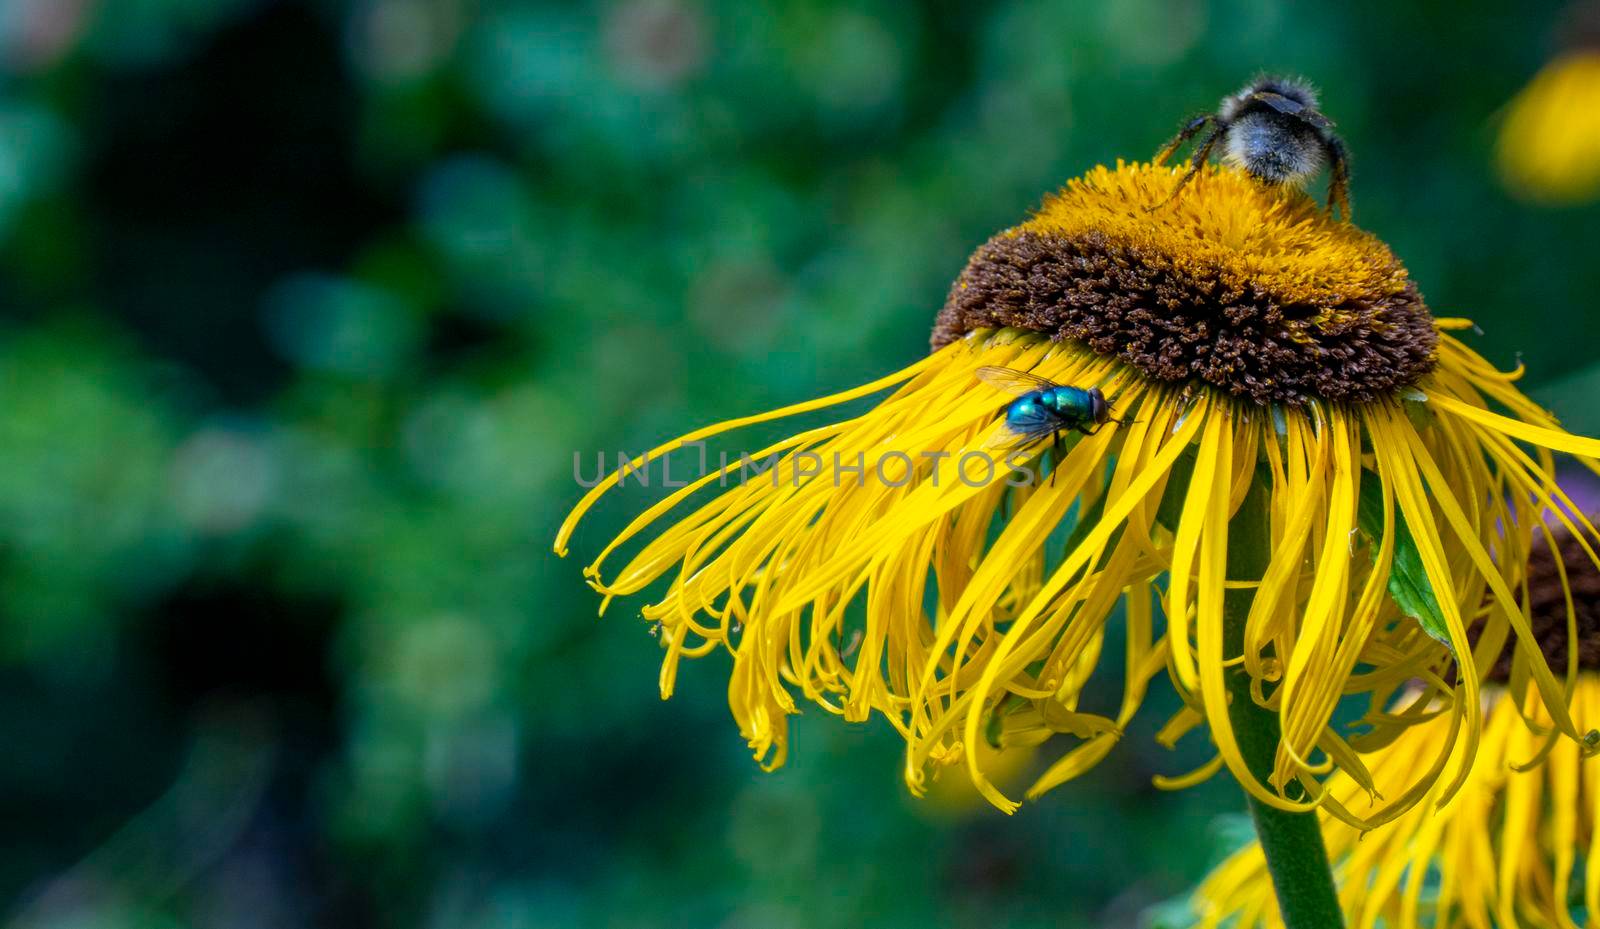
{"points": [[1253, 290]]}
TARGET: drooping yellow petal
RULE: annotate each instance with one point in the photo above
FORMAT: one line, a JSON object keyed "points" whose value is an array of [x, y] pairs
{"points": [[962, 611]]}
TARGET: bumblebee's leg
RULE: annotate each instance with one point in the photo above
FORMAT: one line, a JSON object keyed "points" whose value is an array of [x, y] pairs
{"points": [[1184, 135], [1195, 164], [1339, 178]]}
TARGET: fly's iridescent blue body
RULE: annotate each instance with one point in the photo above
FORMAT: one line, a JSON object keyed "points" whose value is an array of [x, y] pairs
{"points": [[1045, 408]]}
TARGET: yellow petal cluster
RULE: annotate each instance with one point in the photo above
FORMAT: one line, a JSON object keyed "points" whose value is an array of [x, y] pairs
{"points": [[964, 610], [1514, 846]]}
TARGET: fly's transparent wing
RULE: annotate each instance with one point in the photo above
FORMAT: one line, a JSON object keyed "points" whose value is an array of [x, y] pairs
{"points": [[1013, 381], [1025, 430]]}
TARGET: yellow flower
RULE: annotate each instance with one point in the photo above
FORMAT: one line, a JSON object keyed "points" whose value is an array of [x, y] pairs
{"points": [[1549, 148], [1502, 850], [1256, 354]]}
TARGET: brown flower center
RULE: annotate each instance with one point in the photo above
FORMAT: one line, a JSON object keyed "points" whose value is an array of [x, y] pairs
{"points": [[1547, 607], [1252, 291]]}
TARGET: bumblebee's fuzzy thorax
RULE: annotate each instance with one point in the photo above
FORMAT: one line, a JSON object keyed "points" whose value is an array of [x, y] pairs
{"points": [[1274, 149], [1249, 289], [1290, 88]]}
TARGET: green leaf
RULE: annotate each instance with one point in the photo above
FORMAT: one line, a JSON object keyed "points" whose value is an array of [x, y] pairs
{"points": [[1408, 581], [1417, 408], [994, 726], [1088, 519], [1171, 506]]}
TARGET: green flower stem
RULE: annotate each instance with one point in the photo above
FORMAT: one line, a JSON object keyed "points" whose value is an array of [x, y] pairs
{"points": [[1292, 842]]}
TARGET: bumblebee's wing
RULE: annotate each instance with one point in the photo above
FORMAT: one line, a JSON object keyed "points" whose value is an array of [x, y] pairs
{"points": [[1013, 381], [1278, 102], [1294, 108]]}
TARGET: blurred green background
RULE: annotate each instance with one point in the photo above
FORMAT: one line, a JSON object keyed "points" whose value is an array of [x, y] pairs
{"points": [[307, 305]]}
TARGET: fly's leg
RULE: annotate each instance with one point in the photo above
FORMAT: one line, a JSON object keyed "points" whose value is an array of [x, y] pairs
{"points": [[1057, 447]]}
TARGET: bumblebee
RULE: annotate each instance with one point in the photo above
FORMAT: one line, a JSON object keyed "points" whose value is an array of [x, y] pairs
{"points": [[1273, 130]]}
